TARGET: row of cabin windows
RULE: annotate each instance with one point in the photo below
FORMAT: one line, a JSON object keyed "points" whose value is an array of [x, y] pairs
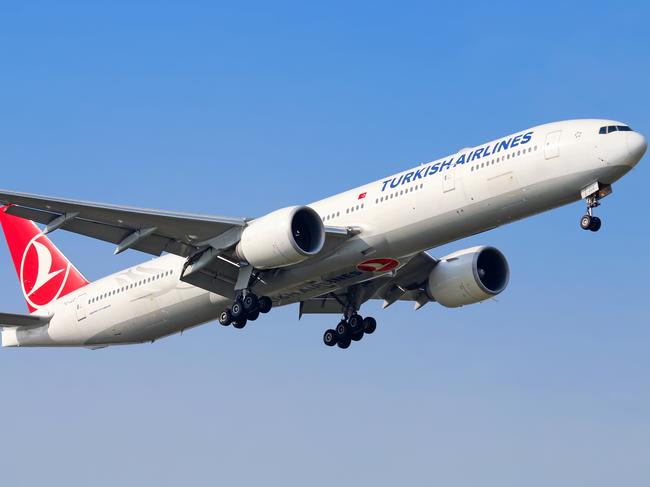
{"points": [[130, 286], [476, 167], [399, 193], [347, 211], [614, 128], [354, 208], [332, 215]]}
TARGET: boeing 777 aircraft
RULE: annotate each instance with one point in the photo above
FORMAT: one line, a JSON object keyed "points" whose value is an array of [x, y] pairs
{"points": [[330, 256]]}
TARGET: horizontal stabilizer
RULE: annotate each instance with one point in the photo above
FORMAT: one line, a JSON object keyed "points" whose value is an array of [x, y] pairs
{"points": [[23, 321]]}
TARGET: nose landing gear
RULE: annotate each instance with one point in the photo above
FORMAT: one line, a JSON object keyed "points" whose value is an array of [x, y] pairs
{"points": [[589, 221]]}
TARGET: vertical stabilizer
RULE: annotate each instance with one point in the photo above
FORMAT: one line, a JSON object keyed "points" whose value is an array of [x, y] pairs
{"points": [[44, 273]]}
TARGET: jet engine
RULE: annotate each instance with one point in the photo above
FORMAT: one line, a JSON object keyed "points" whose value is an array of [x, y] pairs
{"points": [[282, 238], [468, 276]]}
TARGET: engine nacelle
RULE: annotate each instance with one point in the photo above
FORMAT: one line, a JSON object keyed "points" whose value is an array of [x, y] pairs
{"points": [[281, 238], [468, 276]]}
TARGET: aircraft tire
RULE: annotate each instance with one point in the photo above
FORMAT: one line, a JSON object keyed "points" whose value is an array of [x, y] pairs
{"points": [[240, 323], [237, 311], [265, 304], [369, 325], [595, 224], [329, 338], [225, 318], [342, 330], [344, 343]]}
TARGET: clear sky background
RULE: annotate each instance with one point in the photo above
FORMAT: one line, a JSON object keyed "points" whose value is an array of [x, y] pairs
{"points": [[241, 108]]}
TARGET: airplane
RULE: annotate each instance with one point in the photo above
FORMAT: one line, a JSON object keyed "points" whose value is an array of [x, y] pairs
{"points": [[331, 256]]}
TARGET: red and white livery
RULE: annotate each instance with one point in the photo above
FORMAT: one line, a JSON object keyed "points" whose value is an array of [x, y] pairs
{"points": [[330, 256]]}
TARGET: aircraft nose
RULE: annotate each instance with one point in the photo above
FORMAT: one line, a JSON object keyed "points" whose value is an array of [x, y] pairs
{"points": [[636, 146]]}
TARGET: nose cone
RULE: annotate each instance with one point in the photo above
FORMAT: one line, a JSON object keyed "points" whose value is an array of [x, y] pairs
{"points": [[636, 146]]}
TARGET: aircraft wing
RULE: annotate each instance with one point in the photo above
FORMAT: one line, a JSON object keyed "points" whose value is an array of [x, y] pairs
{"points": [[150, 231], [203, 238], [23, 321], [406, 284]]}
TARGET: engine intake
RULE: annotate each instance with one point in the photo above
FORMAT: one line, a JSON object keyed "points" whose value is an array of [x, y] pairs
{"points": [[468, 276], [282, 238]]}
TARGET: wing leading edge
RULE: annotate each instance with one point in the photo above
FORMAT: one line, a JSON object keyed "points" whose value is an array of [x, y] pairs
{"points": [[150, 231]]}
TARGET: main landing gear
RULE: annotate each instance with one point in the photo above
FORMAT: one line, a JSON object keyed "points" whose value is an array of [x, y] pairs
{"points": [[247, 307], [589, 221], [350, 330]]}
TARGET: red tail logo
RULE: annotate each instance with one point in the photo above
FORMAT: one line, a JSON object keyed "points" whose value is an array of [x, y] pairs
{"points": [[45, 274]]}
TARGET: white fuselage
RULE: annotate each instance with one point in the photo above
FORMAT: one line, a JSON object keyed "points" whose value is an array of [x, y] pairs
{"points": [[423, 207]]}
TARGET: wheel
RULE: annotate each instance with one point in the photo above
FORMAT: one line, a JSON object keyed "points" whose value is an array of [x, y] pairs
{"points": [[356, 323], [344, 343], [369, 325], [240, 323], [250, 302], [237, 310], [357, 336], [265, 304], [595, 224], [585, 222], [253, 316], [342, 330], [225, 318], [329, 338]]}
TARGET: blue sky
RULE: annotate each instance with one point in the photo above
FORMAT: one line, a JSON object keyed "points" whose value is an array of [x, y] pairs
{"points": [[238, 109]]}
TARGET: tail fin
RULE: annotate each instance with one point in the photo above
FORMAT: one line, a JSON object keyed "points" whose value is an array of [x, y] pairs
{"points": [[43, 271]]}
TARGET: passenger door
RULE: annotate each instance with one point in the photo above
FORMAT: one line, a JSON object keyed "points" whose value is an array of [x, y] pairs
{"points": [[449, 180], [552, 145], [80, 306]]}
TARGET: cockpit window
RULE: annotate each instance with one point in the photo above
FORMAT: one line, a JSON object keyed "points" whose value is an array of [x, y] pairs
{"points": [[614, 128]]}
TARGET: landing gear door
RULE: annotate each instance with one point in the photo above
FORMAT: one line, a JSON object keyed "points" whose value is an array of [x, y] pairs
{"points": [[552, 145], [80, 305]]}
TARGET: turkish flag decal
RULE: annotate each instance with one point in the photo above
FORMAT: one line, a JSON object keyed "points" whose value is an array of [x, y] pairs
{"points": [[378, 265]]}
